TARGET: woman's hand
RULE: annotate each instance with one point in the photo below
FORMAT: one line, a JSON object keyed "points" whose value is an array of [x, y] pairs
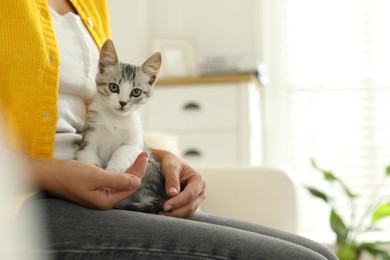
{"points": [[86, 184], [184, 185]]}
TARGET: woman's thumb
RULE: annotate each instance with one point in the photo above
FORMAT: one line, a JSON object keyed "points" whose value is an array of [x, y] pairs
{"points": [[138, 168]]}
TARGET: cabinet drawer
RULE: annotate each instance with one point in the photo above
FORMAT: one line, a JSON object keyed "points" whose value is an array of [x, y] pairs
{"points": [[209, 148], [195, 107]]}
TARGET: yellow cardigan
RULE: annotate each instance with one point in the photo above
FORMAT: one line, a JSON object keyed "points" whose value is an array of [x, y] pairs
{"points": [[29, 68]]}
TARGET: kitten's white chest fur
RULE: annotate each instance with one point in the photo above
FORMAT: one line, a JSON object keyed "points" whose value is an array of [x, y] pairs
{"points": [[114, 142]]}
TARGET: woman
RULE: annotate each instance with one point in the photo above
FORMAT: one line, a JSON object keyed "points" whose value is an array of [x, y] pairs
{"points": [[48, 53]]}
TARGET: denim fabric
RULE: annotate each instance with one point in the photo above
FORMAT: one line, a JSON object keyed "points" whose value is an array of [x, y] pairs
{"points": [[75, 232]]}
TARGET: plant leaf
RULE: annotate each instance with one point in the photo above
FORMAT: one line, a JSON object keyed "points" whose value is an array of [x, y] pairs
{"points": [[318, 194], [347, 252], [347, 190], [330, 177], [388, 171], [381, 212], [339, 228], [385, 255], [371, 248], [313, 163]]}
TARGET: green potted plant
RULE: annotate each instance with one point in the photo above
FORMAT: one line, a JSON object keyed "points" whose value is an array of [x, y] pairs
{"points": [[349, 244]]}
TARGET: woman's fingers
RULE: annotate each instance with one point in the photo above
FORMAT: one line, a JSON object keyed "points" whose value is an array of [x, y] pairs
{"points": [[187, 201], [171, 171], [186, 211]]}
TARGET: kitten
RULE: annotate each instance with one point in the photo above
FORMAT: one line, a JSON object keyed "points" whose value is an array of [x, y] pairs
{"points": [[112, 136]]}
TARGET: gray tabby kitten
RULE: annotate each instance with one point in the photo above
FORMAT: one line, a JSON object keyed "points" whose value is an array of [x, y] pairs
{"points": [[112, 137]]}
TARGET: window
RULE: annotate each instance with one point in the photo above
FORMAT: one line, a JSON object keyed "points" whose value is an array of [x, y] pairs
{"points": [[329, 63]]}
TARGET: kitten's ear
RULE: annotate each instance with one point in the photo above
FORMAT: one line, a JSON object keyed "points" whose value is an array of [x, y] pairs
{"points": [[151, 67], [108, 56]]}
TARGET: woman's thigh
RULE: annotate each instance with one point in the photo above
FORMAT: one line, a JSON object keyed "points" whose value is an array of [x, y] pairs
{"points": [[266, 231], [75, 232]]}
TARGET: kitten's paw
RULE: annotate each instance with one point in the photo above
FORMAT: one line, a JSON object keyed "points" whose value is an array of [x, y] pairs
{"points": [[88, 157]]}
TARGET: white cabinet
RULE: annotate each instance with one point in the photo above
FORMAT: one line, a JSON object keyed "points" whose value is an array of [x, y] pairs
{"points": [[215, 120]]}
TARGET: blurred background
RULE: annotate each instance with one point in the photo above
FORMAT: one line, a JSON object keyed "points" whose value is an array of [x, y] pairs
{"points": [[316, 85]]}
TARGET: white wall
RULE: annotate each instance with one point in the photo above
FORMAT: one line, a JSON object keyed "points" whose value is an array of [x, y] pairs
{"points": [[130, 29], [218, 27]]}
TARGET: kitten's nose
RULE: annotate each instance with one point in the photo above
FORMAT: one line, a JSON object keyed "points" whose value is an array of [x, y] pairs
{"points": [[122, 103]]}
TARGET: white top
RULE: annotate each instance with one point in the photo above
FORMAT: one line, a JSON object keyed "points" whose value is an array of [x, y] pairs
{"points": [[79, 57]]}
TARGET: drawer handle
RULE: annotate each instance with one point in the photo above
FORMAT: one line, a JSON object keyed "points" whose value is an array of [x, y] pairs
{"points": [[191, 106], [192, 153]]}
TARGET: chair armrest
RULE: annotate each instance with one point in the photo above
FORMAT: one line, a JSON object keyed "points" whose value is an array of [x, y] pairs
{"points": [[260, 195]]}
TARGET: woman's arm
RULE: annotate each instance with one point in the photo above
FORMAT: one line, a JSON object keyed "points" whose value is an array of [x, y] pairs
{"points": [[86, 184], [184, 185]]}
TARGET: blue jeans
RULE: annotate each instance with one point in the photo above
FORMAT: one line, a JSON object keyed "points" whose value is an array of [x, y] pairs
{"points": [[75, 232]]}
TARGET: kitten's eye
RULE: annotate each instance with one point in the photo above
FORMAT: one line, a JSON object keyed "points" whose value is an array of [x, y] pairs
{"points": [[136, 92], [114, 88]]}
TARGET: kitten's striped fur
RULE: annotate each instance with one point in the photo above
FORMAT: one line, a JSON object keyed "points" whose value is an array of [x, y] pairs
{"points": [[112, 136]]}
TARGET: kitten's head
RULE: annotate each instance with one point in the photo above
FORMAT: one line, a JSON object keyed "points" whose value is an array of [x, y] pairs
{"points": [[124, 87]]}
